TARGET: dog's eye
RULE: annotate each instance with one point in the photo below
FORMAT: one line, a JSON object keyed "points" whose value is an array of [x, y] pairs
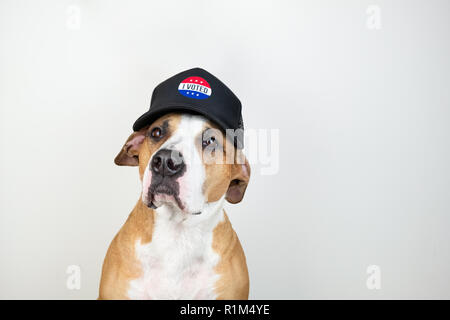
{"points": [[156, 133], [209, 141]]}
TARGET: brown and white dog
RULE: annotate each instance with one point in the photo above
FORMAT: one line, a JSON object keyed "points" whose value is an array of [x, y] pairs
{"points": [[178, 243]]}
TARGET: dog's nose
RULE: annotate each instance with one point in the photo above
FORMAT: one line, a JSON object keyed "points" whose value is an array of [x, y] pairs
{"points": [[167, 162]]}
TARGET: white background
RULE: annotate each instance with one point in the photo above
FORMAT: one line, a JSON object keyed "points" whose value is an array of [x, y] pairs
{"points": [[363, 117]]}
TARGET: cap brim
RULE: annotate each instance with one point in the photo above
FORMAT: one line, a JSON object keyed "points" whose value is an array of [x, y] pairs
{"points": [[150, 116]]}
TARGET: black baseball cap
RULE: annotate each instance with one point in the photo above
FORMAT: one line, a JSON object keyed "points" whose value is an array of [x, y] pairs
{"points": [[196, 91]]}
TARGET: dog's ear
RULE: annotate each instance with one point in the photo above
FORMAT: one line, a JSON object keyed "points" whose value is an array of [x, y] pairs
{"points": [[240, 175], [128, 156]]}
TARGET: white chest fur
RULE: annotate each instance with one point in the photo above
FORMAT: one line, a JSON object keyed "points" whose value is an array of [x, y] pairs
{"points": [[179, 262]]}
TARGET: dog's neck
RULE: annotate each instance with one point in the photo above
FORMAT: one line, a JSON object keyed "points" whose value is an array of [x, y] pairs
{"points": [[177, 252]]}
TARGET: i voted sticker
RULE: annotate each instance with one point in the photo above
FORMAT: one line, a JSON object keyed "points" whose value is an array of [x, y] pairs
{"points": [[195, 87]]}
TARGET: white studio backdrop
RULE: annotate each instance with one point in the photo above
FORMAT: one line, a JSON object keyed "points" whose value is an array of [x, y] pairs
{"points": [[358, 92]]}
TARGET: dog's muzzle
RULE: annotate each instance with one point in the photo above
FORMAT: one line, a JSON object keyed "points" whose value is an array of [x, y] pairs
{"points": [[166, 167]]}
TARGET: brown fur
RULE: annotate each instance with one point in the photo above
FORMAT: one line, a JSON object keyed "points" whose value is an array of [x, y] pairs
{"points": [[232, 267], [120, 265]]}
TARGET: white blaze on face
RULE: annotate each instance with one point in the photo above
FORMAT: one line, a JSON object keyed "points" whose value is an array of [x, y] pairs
{"points": [[146, 181], [183, 139]]}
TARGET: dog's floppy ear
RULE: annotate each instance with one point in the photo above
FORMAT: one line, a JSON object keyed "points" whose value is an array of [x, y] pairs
{"points": [[128, 156], [240, 175]]}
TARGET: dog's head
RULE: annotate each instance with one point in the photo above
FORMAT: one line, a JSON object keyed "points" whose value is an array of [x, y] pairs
{"points": [[185, 162]]}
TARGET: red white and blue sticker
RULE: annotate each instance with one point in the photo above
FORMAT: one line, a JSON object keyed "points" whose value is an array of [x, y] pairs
{"points": [[195, 87]]}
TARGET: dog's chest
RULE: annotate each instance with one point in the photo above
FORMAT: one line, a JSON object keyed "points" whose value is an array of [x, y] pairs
{"points": [[178, 263]]}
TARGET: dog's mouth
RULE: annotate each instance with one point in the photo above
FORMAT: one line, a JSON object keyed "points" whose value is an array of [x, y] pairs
{"points": [[162, 194], [163, 189]]}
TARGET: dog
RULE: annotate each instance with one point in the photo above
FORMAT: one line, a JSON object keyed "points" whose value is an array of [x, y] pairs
{"points": [[178, 242]]}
